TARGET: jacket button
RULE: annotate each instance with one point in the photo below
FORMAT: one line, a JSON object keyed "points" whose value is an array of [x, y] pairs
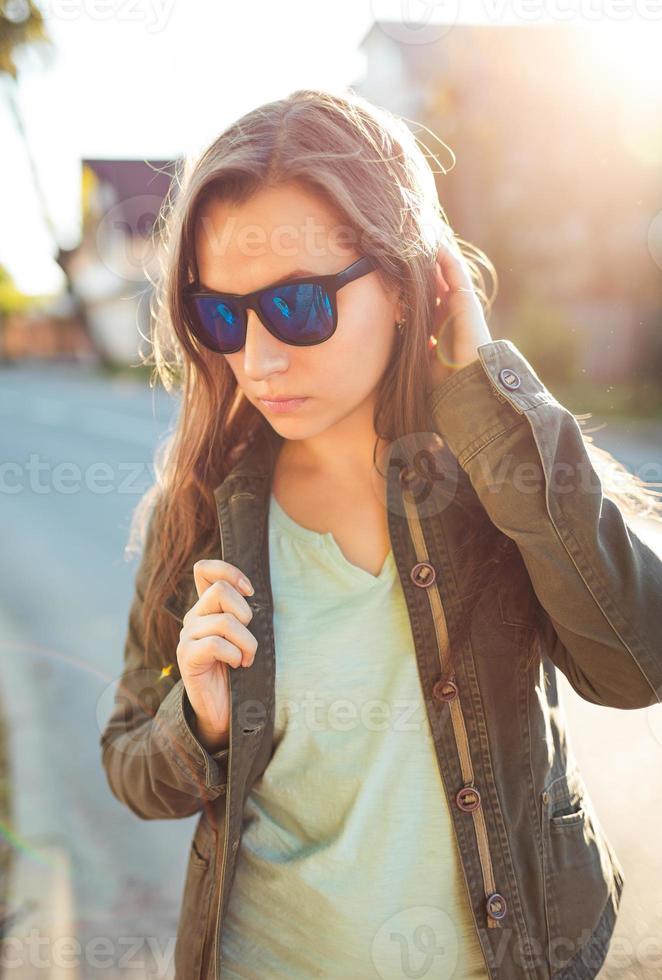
{"points": [[423, 574], [545, 797], [468, 798], [444, 690], [509, 379], [496, 906]]}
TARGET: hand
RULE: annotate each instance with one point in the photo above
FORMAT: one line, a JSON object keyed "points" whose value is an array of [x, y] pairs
{"points": [[213, 636], [460, 324]]}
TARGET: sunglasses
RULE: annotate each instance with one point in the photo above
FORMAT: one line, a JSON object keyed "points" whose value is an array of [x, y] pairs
{"points": [[302, 312]]}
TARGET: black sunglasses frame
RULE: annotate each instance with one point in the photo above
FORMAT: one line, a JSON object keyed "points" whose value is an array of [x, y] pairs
{"points": [[331, 283]]}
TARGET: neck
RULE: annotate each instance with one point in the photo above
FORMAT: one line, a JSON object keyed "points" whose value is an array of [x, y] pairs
{"points": [[342, 454]]}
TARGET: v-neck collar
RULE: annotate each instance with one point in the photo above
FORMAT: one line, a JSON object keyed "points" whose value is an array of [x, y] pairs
{"points": [[326, 541]]}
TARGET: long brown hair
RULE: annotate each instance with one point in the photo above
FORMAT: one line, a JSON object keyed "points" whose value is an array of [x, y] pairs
{"points": [[370, 166]]}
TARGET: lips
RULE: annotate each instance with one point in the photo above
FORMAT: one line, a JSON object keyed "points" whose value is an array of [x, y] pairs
{"points": [[284, 404]]}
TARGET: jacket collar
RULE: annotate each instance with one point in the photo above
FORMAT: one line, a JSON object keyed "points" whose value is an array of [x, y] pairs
{"points": [[255, 466]]}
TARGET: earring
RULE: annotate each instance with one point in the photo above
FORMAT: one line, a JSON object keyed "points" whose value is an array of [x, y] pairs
{"points": [[400, 324]]}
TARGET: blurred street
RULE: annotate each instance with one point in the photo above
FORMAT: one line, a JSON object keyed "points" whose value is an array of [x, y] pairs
{"points": [[63, 607]]}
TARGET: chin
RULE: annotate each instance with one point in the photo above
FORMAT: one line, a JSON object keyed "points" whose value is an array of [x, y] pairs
{"points": [[297, 428], [291, 429]]}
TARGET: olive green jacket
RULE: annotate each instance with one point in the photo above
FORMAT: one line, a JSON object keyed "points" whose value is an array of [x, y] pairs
{"points": [[542, 879]]}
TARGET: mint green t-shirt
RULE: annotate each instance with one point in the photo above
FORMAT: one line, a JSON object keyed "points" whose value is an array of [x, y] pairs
{"points": [[348, 866]]}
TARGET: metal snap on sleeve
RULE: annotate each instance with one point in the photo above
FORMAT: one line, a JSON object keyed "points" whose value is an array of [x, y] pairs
{"points": [[509, 378]]}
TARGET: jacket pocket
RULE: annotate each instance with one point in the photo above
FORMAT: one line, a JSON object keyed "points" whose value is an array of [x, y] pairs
{"points": [[581, 869], [561, 821], [194, 914]]}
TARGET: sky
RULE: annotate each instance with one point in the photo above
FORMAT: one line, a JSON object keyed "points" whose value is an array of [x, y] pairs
{"points": [[161, 78]]}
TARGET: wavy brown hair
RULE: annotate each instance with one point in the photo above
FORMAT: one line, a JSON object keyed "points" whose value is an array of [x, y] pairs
{"points": [[376, 173]]}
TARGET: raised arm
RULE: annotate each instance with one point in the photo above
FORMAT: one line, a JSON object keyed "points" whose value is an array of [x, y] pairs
{"points": [[600, 585]]}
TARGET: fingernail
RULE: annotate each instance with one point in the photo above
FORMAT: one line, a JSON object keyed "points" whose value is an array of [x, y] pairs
{"points": [[246, 585]]}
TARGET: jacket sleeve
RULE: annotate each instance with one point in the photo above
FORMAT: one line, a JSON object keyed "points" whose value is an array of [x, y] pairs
{"points": [[599, 584], [154, 763]]}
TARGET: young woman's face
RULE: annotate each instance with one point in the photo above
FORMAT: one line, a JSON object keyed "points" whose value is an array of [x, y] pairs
{"points": [[262, 241]]}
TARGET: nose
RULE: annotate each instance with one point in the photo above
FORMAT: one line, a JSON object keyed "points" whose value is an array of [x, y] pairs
{"points": [[264, 354]]}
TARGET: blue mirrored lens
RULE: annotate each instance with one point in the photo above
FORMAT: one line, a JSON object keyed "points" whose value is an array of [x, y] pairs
{"points": [[300, 313], [221, 322]]}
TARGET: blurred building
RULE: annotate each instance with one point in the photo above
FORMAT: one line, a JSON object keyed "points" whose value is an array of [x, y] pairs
{"points": [[550, 169], [121, 202], [104, 307]]}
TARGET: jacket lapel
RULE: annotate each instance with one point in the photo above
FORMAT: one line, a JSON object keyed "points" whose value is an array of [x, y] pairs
{"points": [[256, 464]]}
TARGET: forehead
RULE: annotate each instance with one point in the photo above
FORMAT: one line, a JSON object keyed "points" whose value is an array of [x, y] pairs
{"points": [[245, 246]]}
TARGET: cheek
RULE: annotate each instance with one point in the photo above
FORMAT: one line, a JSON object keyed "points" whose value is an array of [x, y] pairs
{"points": [[368, 328], [369, 338], [234, 362], [354, 359]]}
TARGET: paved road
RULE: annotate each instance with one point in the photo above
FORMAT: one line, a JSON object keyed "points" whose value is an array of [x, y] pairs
{"points": [[64, 596]]}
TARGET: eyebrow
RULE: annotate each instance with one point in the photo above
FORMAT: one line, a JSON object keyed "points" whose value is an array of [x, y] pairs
{"points": [[294, 274]]}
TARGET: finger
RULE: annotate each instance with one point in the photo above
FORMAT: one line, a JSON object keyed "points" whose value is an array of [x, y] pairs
{"points": [[453, 268], [220, 597], [209, 570], [201, 653], [442, 285], [224, 625]]}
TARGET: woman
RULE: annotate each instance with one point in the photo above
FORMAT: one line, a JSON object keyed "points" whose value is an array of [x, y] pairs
{"points": [[420, 529]]}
